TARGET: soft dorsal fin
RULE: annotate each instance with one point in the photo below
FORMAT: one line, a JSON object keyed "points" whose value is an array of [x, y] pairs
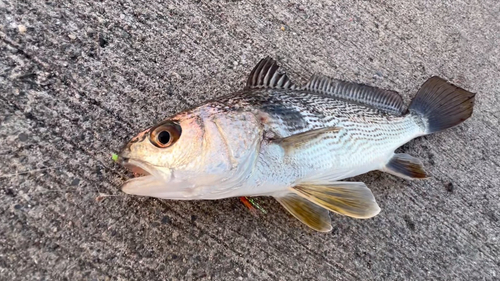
{"points": [[266, 75], [385, 100]]}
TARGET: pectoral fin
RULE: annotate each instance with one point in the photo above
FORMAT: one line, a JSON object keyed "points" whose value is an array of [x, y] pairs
{"points": [[405, 166], [298, 140], [307, 212], [352, 199]]}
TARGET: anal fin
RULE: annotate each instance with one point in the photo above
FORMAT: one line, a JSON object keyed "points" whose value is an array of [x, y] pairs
{"points": [[307, 212], [352, 199], [405, 166]]}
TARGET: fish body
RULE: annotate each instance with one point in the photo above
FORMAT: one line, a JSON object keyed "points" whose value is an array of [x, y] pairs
{"points": [[295, 143]]}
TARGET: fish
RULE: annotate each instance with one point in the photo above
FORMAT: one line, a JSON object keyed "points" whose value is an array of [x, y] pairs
{"points": [[293, 142]]}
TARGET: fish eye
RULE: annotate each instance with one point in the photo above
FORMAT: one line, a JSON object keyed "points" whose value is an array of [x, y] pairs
{"points": [[165, 134], [164, 137]]}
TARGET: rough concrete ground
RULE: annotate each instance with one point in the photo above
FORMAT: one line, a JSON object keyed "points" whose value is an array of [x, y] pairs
{"points": [[79, 78]]}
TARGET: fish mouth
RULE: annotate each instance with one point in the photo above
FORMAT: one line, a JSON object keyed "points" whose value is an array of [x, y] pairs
{"points": [[137, 168], [147, 177]]}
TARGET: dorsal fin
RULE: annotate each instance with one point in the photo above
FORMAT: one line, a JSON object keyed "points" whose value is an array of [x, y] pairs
{"points": [[266, 75], [385, 100]]}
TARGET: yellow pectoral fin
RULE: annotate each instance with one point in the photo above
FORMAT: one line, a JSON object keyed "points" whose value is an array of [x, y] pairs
{"points": [[307, 212], [352, 199]]}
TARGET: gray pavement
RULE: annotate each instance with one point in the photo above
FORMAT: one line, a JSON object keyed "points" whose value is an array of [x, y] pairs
{"points": [[79, 78]]}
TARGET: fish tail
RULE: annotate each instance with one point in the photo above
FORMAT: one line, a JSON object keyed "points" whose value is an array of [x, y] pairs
{"points": [[441, 105]]}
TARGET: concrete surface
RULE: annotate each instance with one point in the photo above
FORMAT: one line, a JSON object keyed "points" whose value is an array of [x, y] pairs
{"points": [[79, 78]]}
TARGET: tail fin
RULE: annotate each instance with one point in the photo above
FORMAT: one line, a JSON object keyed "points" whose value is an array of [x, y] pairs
{"points": [[441, 105]]}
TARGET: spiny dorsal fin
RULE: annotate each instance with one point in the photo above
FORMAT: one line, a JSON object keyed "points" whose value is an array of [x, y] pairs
{"points": [[266, 75], [385, 100]]}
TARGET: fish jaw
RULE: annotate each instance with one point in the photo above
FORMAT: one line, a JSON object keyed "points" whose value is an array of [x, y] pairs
{"points": [[168, 183], [158, 182], [149, 180]]}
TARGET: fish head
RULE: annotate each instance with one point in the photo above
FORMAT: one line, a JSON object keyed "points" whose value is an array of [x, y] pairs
{"points": [[200, 154]]}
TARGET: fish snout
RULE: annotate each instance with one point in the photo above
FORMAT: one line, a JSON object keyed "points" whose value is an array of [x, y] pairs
{"points": [[124, 153], [127, 148]]}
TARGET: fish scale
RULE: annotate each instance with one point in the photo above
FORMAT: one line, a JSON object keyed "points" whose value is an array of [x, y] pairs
{"points": [[366, 133], [294, 143], [366, 141]]}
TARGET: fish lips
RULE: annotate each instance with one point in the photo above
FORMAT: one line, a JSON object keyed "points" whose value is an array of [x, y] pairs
{"points": [[150, 179]]}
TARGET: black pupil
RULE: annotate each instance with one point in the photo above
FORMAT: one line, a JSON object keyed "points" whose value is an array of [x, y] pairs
{"points": [[164, 137]]}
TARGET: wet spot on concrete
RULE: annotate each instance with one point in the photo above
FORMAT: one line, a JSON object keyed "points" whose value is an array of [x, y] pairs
{"points": [[166, 220], [22, 137], [449, 187], [75, 182], [409, 223], [102, 42]]}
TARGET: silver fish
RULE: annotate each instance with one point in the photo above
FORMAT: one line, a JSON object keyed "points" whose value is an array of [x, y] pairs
{"points": [[295, 143]]}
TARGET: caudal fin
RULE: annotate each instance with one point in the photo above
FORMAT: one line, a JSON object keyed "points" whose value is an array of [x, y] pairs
{"points": [[442, 105]]}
